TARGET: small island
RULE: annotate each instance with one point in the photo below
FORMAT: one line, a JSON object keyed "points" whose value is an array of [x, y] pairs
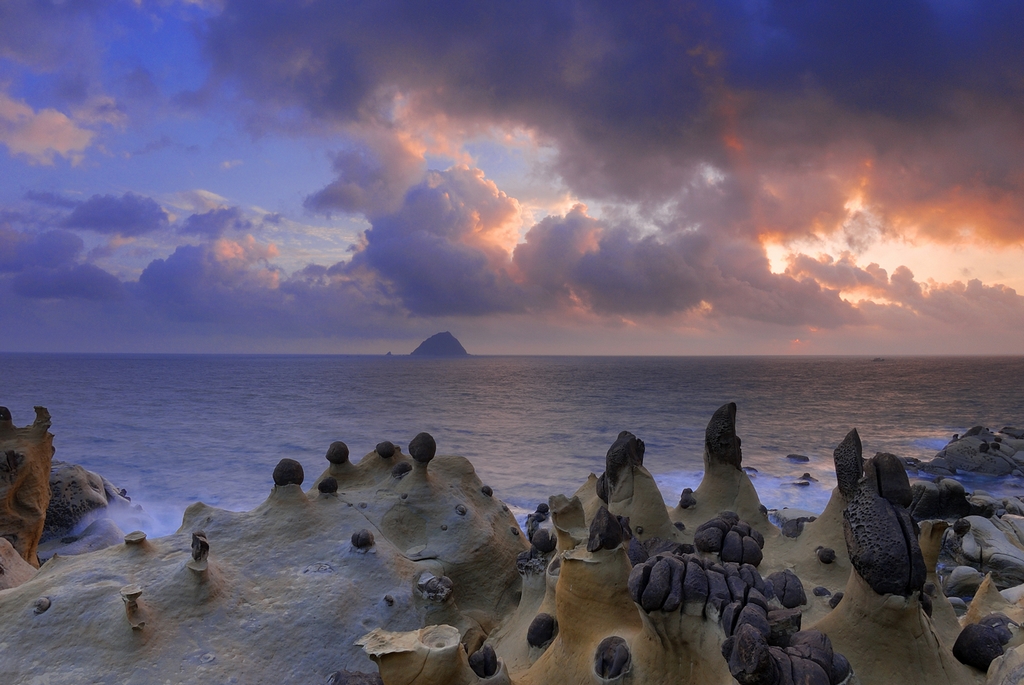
{"points": [[441, 345]]}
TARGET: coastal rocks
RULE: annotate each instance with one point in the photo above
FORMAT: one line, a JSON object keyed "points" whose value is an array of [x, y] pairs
{"points": [[978, 645], [941, 499], [79, 497], [13, 569], [990, 545], [25, 455], [440, 345], [284, 594], [978, 451], [725, 486]]}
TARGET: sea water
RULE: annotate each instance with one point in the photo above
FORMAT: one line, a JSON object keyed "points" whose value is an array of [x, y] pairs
{"points": [[173, 430]]}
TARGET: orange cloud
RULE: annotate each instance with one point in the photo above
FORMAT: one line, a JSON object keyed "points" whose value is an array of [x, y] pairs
{"points": [[40, 136]]}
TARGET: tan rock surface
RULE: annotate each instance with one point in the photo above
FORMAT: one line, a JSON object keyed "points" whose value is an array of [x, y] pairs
{"points": [[25, 455]]}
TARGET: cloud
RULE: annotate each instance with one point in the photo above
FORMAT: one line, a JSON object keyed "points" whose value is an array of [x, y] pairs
{"points": [[215, 222], [85, 281], [128, 215], [51, 249], [40, 136]]}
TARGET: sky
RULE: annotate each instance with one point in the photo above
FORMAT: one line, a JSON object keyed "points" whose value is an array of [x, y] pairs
{"points": [[715, 177]]}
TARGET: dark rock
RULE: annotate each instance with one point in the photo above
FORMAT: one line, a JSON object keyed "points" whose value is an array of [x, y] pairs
{"points": [[752, 553], [605, 531], [849, 463], [200, 546], [328, 485], [945, 499], [637, 552], [708, 539], [399, 470], [821, 591], [788, 588], [337, 453], [435, 588], [887, 474], [625, 453], [783, 624], [1001, 624], [422, 448], [288, 472], [486, 489], [362, 539], [441, 345], [484, 662], [750, 658], [720, 439], [961, 527], [543, 508], [732, 547], [836, 599], [542, 630], [385, 450], [882, 542], [797, 458], [826, 555], [612, 658], [755, 616], [686, 499], [543, 541], [977, 645], [659, 584], [354, 678]]}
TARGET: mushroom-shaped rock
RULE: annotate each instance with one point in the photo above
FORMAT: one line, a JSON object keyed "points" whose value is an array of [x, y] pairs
{"points": [[385, 450], [337, 453], [544, 541], [422, 448], [826, 555], [328, 485], [200, 546], [686, 499], [625, 453], [136, 616], [435, 588], [362, 539], [288, 472], [720, 439]]}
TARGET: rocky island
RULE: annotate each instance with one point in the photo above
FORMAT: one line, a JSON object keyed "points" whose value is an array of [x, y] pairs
{"points": [[402, 568], [440, 345]]}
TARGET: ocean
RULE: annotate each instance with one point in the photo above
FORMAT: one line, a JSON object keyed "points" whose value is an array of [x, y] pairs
{"points": [[176, 429]]}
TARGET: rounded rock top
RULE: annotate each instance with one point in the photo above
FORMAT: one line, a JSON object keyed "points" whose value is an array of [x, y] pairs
{"points": [[422, 448], [328, 485], [385, 450], [288, 472], [337, 453]]}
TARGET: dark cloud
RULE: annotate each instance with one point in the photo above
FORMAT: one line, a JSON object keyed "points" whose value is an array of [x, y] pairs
{"points": [[52, 249], [85, 281], [371, 180], [441, 251], [128, 215], [51, 199], [216, 222], [795, 104]]}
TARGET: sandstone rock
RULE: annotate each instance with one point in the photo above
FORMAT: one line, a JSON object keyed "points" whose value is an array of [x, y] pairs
{"points": [[25, 455], [963, 581], [79, 497], [13, 569]]}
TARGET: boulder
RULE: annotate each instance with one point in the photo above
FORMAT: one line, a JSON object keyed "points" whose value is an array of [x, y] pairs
{"points": [[990, 545], [963, 581], [79, 497]]}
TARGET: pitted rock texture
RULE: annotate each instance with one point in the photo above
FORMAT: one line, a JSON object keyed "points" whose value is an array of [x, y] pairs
{"points": [[78, 496], [882, 541], [849, 463], [720, 440]]}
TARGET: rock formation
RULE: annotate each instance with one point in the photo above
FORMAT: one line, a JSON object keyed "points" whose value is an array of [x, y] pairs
{"points": [[25, 455], [441, 345]]}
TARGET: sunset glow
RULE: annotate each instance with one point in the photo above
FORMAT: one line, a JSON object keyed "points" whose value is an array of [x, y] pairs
{"points": [[291, 177]]}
